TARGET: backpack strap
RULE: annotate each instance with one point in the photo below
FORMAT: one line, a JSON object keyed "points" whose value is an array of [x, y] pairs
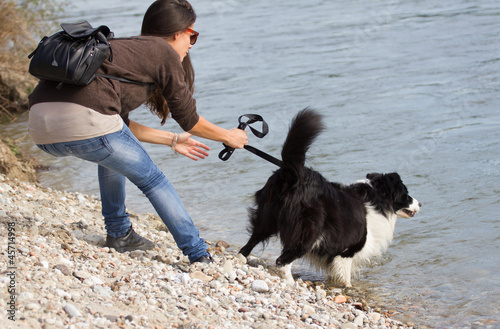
{"points": [[103, 33]]}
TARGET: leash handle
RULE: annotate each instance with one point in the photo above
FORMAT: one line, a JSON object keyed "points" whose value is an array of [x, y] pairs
{"points": [[226, 153]]}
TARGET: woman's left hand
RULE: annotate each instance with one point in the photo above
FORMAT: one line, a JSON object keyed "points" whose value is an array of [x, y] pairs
{"points": [[190, 148]]}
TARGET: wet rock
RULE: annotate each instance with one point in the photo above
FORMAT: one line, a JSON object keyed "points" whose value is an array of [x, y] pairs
{"points": [[223, 244]]}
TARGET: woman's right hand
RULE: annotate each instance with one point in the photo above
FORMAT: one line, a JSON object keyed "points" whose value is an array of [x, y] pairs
{"points": [[237, 138]]}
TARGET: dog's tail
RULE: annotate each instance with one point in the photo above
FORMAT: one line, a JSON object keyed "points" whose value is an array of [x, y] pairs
{"points": [[304, 129]]}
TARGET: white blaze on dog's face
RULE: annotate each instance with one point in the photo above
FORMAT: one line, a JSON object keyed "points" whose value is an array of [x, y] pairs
{"points": [[410, 211]]}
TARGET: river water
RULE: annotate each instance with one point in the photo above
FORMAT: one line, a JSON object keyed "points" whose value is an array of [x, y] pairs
{"points": [[406, 86]]}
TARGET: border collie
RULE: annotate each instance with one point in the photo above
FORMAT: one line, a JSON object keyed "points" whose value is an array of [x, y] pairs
{"points": [[336, 227]]}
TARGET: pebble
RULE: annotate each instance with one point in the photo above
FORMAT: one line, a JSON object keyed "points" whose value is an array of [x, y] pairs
{"points": [[103, 291], [227, 267], [111, 318], [82, 275], [95, 239], [359, 320], [240, 259], [32, 307], [63, 269], [92, 281], [260, 286], [72, 311], [78, 234], [375, 317], [62, 293], [340, 299], [69, 280], [185, 278], [25, 296], [198, 275], [136, 253]]}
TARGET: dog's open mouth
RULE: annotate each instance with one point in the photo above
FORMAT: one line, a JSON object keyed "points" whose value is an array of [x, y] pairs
{"points": [[409, 213]]}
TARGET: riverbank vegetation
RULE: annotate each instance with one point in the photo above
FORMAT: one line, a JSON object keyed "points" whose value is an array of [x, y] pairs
{"points": [[23, 24]]}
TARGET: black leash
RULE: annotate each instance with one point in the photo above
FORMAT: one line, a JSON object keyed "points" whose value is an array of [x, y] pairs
{"points": [[263, 155], [226, 153]]}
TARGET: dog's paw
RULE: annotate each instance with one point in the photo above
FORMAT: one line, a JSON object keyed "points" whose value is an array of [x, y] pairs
{"points": [[286, 273]]}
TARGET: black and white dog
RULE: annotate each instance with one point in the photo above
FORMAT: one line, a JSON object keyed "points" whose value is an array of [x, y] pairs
{"points": [[337, 227]]}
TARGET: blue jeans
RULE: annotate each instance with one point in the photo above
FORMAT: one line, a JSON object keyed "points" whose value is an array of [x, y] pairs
{"points": [[120, 155]]}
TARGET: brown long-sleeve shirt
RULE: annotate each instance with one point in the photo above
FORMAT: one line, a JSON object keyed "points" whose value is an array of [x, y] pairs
{"points": [[144, 59]]}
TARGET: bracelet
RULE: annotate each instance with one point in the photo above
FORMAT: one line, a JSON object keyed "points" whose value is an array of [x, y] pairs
{"points": [[174, 142]]}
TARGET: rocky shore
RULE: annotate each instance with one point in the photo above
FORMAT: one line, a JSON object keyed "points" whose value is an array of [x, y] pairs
{"points": [[56, 273]]}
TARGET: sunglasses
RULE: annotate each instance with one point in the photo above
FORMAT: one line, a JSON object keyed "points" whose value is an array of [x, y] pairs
{"points": [[193, 36]]}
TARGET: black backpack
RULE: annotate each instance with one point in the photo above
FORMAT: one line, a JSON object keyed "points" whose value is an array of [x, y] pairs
{"points": [[73, 55]]}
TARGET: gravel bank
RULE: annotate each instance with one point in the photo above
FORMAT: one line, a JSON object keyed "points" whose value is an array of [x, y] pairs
{"points": [[55, 273]]}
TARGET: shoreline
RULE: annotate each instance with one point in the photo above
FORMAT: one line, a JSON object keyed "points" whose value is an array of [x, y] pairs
{"points": [[56, 274]]}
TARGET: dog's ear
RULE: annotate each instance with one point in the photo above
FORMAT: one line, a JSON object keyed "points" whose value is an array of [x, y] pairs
{"points": [[394, 175], [384, 182], [393, 179], [379, 183], [372, 176]]}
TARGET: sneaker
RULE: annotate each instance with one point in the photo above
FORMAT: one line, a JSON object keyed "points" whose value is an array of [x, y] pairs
{"points": [[204, 259], [130, 242]]}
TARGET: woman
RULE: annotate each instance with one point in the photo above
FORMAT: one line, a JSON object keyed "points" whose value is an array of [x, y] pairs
{"points": [[92, 123]]}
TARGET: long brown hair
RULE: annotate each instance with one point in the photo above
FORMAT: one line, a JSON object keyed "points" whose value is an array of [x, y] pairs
{"points": [[165, 18]]}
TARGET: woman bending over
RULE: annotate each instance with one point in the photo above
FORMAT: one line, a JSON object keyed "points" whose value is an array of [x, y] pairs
{"points": [[92, 123]]}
